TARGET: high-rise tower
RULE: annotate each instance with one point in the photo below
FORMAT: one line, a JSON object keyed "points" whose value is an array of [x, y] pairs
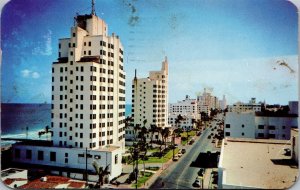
{"points": [[88, 87], [150, 98]]}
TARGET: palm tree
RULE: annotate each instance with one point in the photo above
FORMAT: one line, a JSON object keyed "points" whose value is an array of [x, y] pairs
{"points": [[143, 149], [160, 131], [102, 173], [136, 129], [152, 130], [142, 134], [165, 134]]}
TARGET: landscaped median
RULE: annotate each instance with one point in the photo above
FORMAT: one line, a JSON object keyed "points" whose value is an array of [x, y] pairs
{"points": [[165, 158], [142, 179], [184, 136]]}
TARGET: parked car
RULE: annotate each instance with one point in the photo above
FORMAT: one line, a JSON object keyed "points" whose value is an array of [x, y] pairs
{"points": [[179, 154], [183, 151], [197, 182], [175, 158], [201, 172]]}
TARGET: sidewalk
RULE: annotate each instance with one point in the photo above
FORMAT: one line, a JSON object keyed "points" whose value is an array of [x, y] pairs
{"points": [[155, 176]]}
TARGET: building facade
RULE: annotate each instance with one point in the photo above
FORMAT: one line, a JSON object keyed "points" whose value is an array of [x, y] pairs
{"points": [[259, 125], [150, 98], [244, 107], [88, 84], [88, 102], [188, 109], [206, 101]]}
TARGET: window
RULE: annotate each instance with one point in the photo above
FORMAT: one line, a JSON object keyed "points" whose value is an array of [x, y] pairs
{"points": [[227, 125], [116, 159], [261, 135], [90, 43], [272, 136], [283, 127], [53, 156], [271, 127], [227, 134], [243, 134], [17, 153], [40, 155], [66, 160], [243, 125], [261, 126], [74, 34]]}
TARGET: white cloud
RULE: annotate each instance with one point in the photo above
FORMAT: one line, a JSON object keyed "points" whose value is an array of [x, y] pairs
{"points": [[25, 73], [30, 74], [35, 75]]}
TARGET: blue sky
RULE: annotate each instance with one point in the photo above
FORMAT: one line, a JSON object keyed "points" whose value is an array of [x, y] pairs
{"points": [[231, 46]]}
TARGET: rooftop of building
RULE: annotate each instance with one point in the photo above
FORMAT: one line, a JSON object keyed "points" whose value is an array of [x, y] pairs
{"points": [[53, 182], [258, 163], [10, 171]]}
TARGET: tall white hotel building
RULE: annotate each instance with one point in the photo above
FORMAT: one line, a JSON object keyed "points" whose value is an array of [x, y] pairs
{"points": [[150, 98], [88, 104]]}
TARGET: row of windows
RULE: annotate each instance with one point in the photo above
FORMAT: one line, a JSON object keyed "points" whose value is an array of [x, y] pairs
{"points": [[40, 155]]}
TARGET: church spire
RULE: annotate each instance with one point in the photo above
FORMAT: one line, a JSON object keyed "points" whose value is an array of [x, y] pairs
{"points": [[93, 7]]}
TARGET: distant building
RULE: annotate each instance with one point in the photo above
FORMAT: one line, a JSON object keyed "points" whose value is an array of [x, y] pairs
{"points": [[150, 98], [187, 108], [259, 125], [244, 107], [223, 103], [187, 123], [256, 163], [206, 101], [88, 104], [14, 178]]}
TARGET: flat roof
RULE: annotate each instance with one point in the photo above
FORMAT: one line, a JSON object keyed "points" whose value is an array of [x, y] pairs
{"points": [[258, 163]]}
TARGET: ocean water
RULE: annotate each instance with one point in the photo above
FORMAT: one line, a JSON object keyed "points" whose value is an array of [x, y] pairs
{"points": [[15, 118]]}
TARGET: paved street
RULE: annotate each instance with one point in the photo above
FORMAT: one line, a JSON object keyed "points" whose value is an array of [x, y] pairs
{"points": [[183, 174]]}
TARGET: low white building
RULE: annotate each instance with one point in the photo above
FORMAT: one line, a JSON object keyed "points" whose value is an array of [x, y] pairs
{"points": [[69, 162], [184, 107], [187, 123], [255, 163], [14, 177], [259, 125]]}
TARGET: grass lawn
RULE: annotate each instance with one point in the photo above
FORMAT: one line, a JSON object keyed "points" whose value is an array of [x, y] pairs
{"points": [[142, 180], [153, 150], [184, 142], [165, 158], [191, 133]]}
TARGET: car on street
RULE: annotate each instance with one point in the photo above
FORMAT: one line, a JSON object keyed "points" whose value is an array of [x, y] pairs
{"points": [[201, 172], [175, 158], [183, 151], [179, 154], [197, 182]]}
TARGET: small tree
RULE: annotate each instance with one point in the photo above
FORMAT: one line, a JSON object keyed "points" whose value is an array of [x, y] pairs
{"points": [[102, 173]]}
